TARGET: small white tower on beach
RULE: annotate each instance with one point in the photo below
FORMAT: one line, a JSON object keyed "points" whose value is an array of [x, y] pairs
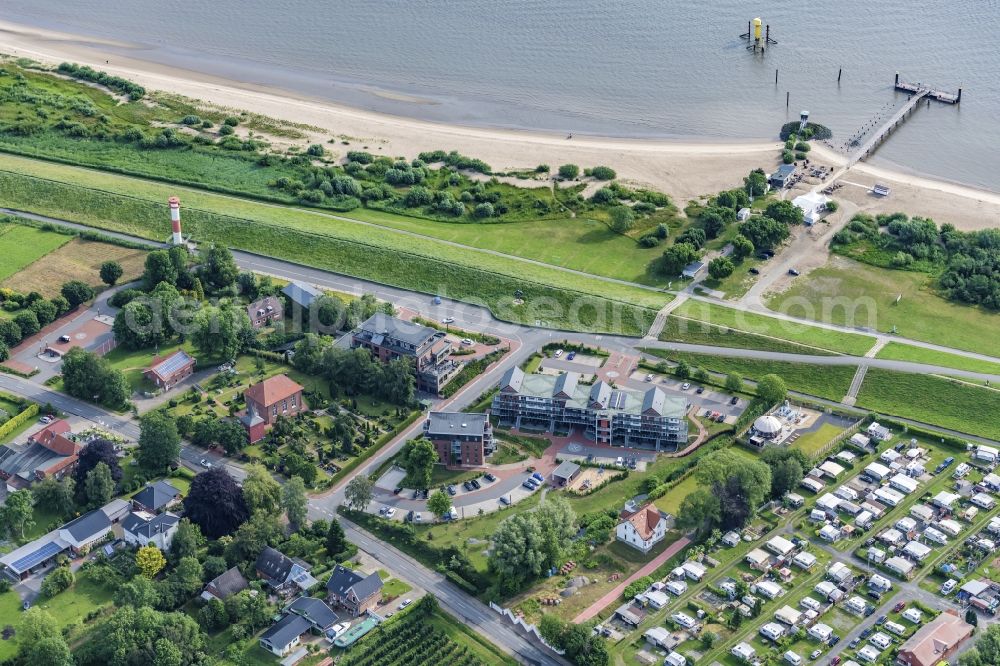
{"points": [[803, 120], [175, 220]]}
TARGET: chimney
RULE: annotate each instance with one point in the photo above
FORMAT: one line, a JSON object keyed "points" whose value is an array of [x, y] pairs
{"points": [[175, 220]]}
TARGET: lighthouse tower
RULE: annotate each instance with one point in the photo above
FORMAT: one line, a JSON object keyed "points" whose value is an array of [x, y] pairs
{"points": [[175, 220]]}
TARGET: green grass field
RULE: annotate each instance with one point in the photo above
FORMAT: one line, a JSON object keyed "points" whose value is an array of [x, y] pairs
{"points": [[315, 238], [679, 329], [762, 325], [21, 246], [812, 442], [943, 402], [867, 295], [671, 502], [903, 352], [830, 382]]}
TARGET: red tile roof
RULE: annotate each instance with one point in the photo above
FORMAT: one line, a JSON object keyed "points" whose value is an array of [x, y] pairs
{"points": [[272, 390], [57, 427], [645, 521], [935, 641]]}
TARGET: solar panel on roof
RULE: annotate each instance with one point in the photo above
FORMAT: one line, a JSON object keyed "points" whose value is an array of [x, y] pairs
{"points": [[617, 399], [34, 559], [172, 364]]}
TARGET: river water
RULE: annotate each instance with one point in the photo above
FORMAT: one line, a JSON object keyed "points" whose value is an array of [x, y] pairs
{"points": [[638, 68]]}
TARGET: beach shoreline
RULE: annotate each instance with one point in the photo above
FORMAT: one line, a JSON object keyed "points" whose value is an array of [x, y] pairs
{"points": [[684, 168]]}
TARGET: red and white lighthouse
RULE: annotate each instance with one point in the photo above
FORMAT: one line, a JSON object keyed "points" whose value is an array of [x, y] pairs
{"points": [[175, 220]]}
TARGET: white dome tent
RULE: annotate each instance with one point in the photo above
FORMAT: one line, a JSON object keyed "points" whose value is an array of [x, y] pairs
{"points": [[767, 426]]}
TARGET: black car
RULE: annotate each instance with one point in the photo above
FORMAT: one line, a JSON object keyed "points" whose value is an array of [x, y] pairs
{"points": [[397, 490], [734, 400], [475, 484], [467, 485], [700, 390], [409, 517], [792, 271], [451, 490], [867, 632], [424, 493], [834, 640], [489, 477], [881, 620]]}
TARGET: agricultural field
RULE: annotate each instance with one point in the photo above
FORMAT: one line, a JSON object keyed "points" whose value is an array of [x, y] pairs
{"points": [[762, 325], [78, 259], [868, 295], [130, 205], [903, 352], [830, 382], [944, 402], [21, 246]]}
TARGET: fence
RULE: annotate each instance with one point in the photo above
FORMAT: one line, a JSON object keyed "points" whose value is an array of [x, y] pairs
{"points": [[526, 627], [840, 437]]}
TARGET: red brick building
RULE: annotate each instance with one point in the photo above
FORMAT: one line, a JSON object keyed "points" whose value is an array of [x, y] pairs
{"points": [[48, 453], [266, 401], [168, 371], [460, 438]]}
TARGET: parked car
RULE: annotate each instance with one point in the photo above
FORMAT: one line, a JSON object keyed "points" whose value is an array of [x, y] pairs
{"points": [[815, 654], [467, 486], [390, 512], [489, 477], [685, 386], [734, 401], [649, 377], [570, 356], [436, 300], [452, 490], [867, 632], [409, 517], [504, 500], [898, 608], [417, 518], [529, 485], [537, 476], [855, 643], [448, 320], [64, 338], [397, 490], [406, 602], [558, 353], [793, 272], [45, 419], [835, 661], [204, 463]]}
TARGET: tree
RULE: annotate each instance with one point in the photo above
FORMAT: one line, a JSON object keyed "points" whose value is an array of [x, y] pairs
{"points": [[137, 326], [76, 292], [682, 370], [784, 211], [713, 220], [599, 529], [699, 510], [215, 503], [676, 257], [89, 377], [569, 171], [167, 654], [336, 540], [971, 617], [986, 651], [187, 577], [97, 451], [213, 615], [439, 503], [150, 561], [358, 492], [45, 312], [248, 285], [10, 332], [219, 269], [27, 322], [518, 551], [159, 441], [764, 232], [785, 475], [419, 456], [16, 513], [294, 502], [740, 486], [58, 580], [771, 389], [331, 312], [98, 486], [54, 496], [187, 540], [298, 465], [111, 271], [252, 536], [159, 268], [720, 267], [40, 640], [734, 382], [742, 247], [138, 592], [622, 219], [51, 651], [231, 436], [133, 636], [219, 331], [557, 524], [261, 492]]}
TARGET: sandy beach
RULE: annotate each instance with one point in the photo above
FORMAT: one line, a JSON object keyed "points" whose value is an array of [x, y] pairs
{"points": [[684, 169]]}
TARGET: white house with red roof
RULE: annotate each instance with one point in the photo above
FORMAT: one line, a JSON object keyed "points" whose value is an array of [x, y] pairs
{"points": [[642, 529]]}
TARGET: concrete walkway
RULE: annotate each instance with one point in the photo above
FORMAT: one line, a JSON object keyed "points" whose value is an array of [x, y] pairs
{"points": [[646, 570]]}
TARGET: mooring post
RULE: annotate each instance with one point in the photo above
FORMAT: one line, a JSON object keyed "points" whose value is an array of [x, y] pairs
{"points": [[959, 98], [839, 72], [788, 95], [749, 31], [897, 79], [775, 76]]}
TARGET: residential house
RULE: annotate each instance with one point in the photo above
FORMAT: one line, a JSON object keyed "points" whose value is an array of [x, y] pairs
{"points": [[355, 592], [49, 453], [285, 634], [904, 484], [983, 501], [877, 471], [265, 311], [658, 637], [82, 533], [615, 416], [944, 500], [922, 512], [899, 566], [936, 641], [461, 439], [168, 371], [831, 469], [878, 432], [804, 560], [320, 616], [225, 585], [889, 496], [283, 573], [879, 583], [758, 559], [156, 497], [389, 338], [780, 546], [830, 533], [788, 615], [642, 529], [267, 400], [782, 178], [693, 570], [300, 294], [141, 528]]}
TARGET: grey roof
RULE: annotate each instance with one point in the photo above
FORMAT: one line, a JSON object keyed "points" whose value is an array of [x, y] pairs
{"points": [[251, 418], [566, 470], [156, 495], [381, 324], [513, 378], [566, 384], [301, 293], [450, 423], [228, 583], [693, 268], [784, 171], [274, 564], [342, 580], [619, 400], [88, 525], [286, 630], [139, 525], [25, 462], [654, 401], [600, 393], [315, 610]]}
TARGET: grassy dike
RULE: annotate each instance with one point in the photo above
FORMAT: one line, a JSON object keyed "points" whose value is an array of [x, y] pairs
{"points": [[136, 206]]}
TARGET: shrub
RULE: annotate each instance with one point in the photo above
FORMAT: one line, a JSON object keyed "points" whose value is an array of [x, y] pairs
{"points": [[622, 219], [802, 147], [316, 150], [603, 173], [226, 130], [787, 157], [191, 120], [232, 121], [569, 171]]}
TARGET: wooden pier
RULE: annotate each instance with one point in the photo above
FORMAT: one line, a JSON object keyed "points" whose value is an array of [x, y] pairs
{"points": [[939, 95]]}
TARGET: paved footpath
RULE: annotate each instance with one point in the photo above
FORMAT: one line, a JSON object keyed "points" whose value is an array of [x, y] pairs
{"points": [[646, 570]]}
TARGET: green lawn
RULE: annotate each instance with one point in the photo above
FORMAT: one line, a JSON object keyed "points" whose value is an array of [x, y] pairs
{"points": [[20, 246], [830, 382], [392, 587], [943, 402], [867, 295], [671, 502], [812, 442], [812, 336], [903, 352], [680, 329]]}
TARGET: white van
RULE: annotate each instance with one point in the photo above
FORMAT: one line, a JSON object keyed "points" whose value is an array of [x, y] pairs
{"points": [[949, 586]]}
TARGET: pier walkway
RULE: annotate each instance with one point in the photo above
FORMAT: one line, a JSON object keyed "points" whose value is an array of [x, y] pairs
{"points": [[879, 135]]}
